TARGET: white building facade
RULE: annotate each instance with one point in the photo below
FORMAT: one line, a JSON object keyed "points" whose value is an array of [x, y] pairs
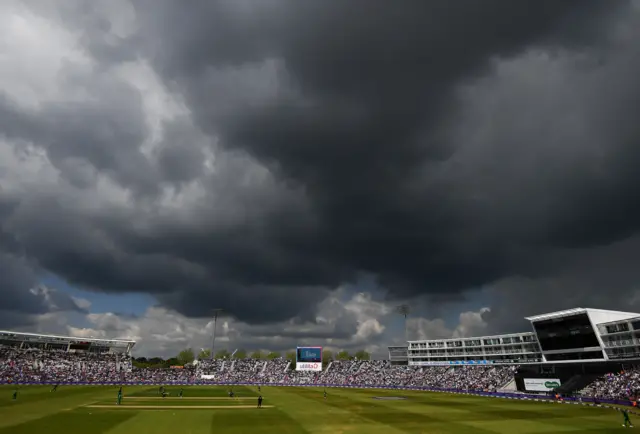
{"points": [[578, 335]]}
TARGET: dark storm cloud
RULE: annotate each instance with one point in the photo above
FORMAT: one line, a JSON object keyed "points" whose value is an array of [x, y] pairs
{"points": [[179, 162], [22, 298], [85, 249], [399, 143], [16, 276], [604, 278], [374, 98]]}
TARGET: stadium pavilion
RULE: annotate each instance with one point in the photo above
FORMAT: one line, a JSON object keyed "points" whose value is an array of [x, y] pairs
{"points": [[65, 343], [573, 344]]}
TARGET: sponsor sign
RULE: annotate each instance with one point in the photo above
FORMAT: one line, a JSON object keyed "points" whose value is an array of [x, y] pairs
{"points": [[208, 377], [541, 384], [302, 366], [177, 367]]}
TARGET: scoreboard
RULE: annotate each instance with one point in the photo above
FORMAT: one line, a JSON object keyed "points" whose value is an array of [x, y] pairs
{"points": [[309, 359]]}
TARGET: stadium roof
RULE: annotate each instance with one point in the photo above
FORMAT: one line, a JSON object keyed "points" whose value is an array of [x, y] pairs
{"points": [[637, 316], [75, 338], [580, 310]]}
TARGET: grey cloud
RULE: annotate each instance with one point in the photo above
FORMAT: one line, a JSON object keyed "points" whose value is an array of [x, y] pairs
{"points": [[22, 298], [606, 278], [180, 161], [105, 30], [17, 278], [365, 87], [106, 134], [56, 301]]}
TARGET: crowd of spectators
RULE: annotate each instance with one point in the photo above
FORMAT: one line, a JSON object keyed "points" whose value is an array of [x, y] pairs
{"points": [[383, 373], [273, 371], [40, 366], [618, 385], [51, 366], [242, 370], [34, 365]]}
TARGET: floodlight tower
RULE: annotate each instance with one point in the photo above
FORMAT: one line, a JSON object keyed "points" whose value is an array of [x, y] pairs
{"points": [[404, 310], [216, 312]]}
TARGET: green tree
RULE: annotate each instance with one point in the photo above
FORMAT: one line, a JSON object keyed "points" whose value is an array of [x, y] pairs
{"points": [[363, 355], [172, 362], [186, 356], [155, 361], [241, 354], [223, 354], [257, 355], [273, 355], [141, 360], [140, 365], [327, 356], [343, 355], [204, 354]]}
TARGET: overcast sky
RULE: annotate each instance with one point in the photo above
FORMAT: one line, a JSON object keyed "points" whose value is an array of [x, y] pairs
{"points": [[309, 165]]}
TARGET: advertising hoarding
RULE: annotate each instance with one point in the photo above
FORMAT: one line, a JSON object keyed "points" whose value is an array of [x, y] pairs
{"points": [[541, 384], [317, 367]]}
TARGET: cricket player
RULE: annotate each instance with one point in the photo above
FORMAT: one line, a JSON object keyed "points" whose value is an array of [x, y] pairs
{"points": [[626, 421], [180, 394], [260, 401], [325, 394], [54, 388], [119, 401], [15, 394]]}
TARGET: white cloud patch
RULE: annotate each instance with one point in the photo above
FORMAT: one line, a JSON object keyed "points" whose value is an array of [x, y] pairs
{"points": [[344, 321], [33, 53], [352, 322]]}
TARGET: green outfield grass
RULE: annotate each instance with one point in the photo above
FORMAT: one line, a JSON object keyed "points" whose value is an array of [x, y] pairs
{"points": [[84, 410]]}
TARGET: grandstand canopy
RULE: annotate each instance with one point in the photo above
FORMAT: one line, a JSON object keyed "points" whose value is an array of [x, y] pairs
{"points": [[20, 336]]}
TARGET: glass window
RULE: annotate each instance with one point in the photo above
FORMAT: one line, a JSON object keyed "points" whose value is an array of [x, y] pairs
{"points": [[566, 333]]}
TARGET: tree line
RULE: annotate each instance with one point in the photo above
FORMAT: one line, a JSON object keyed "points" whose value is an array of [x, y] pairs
{"points": [[187, 356]]}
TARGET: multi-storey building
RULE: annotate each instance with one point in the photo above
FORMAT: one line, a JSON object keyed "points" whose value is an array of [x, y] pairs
{"points": [[569, 336], [509, 348], [621, 338]]}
